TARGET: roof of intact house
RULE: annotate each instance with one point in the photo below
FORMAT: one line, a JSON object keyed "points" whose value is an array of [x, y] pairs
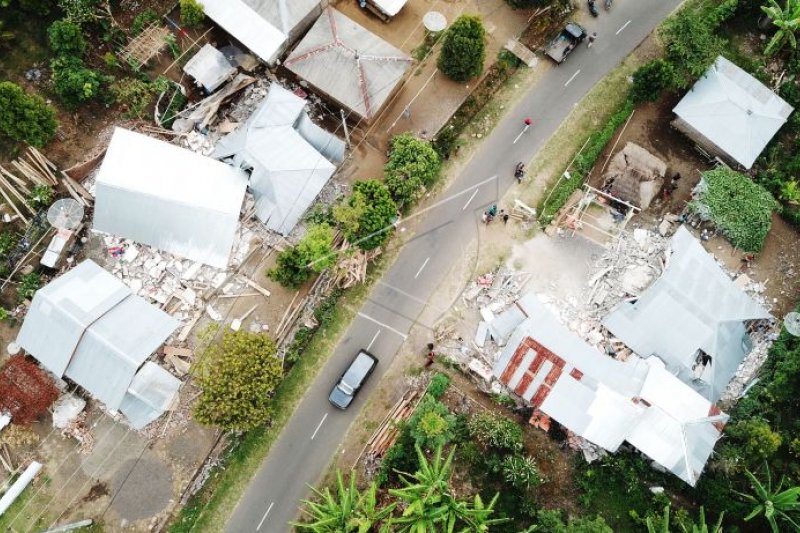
{"points": [[87, 325], [693, 306], [349, 63], [287, 155], [168, 197], [607, 401], [248, 27], [734, 111]]}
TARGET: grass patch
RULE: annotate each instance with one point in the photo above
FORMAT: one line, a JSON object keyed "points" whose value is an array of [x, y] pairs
{"points": [[210, 509], [24, 522]]}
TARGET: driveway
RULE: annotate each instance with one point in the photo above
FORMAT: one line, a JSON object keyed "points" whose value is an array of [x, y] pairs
{"points": [[305, 447]]}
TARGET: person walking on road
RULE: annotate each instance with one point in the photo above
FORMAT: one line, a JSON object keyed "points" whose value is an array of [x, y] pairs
{"points": [[505, 218], [592, 38]]}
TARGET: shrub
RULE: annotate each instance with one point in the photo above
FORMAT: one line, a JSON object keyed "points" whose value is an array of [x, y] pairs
{"points": [[79, 11], [28, 285], [366, 216], [496, 432], [238, 377], [690, 43], [41, 196], [73, 82], [314, 253], [652, 79], [290, 269], [134, 95], [25, 117], [192, 14], [438, 385], [143, 20], [66, 38], [464, 49], [741, 208], [413, 164], [431, 424], [757, 441], [8, 241], [521, 472]]}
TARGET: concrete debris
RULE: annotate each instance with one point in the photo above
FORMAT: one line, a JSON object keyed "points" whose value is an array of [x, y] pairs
{"points": [[481, 369], [66, 410], [482, 333], [590, 451]]}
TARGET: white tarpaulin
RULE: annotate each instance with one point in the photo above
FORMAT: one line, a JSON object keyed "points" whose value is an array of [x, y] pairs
{"points": [[165, 196]]}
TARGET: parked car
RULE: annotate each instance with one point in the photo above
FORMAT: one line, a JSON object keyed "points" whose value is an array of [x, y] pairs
{"points": [[565, 42], [353, 379]]}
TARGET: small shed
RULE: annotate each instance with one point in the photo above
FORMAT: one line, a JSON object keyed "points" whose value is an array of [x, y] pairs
{"points": [[635, 175], [88, 326], [165, 196], [730, 114], [266, 27], [384, 9], [287, 155], [351, 65], [210, 68]]}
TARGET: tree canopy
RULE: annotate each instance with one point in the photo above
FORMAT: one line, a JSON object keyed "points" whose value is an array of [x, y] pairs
{"points": [[366, 216], [238, 376], [652, 79], [463, 49], [413, 164], [314, 253], [25, 117]]}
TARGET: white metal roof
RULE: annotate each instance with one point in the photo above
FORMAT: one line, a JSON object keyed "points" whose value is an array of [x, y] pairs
{"points": [[168, 197], [88, 326], [287, 171], [349, 63], [600, 398], [734, 111], [209, 67], [247, 26], [390, 7], [151, 392], [695, 298], [286, 15]]}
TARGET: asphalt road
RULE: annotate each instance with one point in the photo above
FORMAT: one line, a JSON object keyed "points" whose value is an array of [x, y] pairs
{"points": [[307, 443]]}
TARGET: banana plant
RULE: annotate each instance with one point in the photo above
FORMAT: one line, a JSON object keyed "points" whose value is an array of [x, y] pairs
{"points": [[773, 503], [787, 20]]}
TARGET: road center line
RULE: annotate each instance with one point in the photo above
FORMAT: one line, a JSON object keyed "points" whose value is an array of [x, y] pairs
{"points": [[474, 194], [319, 426], [373, 339], [622, 28], [423, 265], [390, 328], [572, 78], [265, 516]]}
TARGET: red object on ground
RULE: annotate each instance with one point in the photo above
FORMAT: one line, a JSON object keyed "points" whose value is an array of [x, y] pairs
{"points": [[528, 121], [26, 391]]}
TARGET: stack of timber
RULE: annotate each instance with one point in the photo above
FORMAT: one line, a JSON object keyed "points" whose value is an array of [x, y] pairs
{"points": [[386, 434]]}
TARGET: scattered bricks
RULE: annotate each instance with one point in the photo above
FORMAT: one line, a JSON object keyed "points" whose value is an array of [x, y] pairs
{"points": [[576, 374]]}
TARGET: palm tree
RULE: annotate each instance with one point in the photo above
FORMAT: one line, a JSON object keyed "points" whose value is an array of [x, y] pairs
{"points": [[787, 20], [662, 524], [772, 503], [347, 511]]}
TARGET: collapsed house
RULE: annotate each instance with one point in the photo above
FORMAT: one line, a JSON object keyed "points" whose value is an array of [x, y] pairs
{"points": [[266, 27], [604, 400], [635, 176], [730, 114], [693, 318], [210, 68], [89, 327], [170, 198], [351, 65], [287, 155]]}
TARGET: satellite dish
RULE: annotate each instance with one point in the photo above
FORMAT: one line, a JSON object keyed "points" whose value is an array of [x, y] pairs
{"points": [[66, 213], [792, 323], [434, 21]]}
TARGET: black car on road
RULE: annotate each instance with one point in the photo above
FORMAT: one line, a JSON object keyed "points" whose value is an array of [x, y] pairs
{"points": [[352, 380]]}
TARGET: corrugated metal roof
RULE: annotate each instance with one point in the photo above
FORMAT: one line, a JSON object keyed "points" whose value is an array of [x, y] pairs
{"points": [[88, 326], [693, 306], [734, 111], [151, 392], [600, 398], [287, 171], [349, 63], [165, 196], [389, 7], [286, 15], [209, 67], [247, 26]]}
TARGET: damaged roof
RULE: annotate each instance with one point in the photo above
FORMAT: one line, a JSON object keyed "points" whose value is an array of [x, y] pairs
{"points": [[287, 156], [607, 401], [350, 64], [696, 298], [156, 193], [88, 326], [733, 111], [209, 67]]}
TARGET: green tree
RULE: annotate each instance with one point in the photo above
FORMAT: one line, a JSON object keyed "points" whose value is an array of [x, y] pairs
{"points": [[691, 43], [348, 510], [366, 216], [314, 253], [25, 117], [432, 423], [652, 79], [758, 441], [787, 20], [464, 49], [73, 82], [66, 38], [774, 503], [413, 164], [521, 472], [80, 11], [238, 376], [192, 14]]}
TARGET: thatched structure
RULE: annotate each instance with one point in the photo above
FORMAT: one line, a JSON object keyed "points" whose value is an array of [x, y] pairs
{"points": [[635, 175]]}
